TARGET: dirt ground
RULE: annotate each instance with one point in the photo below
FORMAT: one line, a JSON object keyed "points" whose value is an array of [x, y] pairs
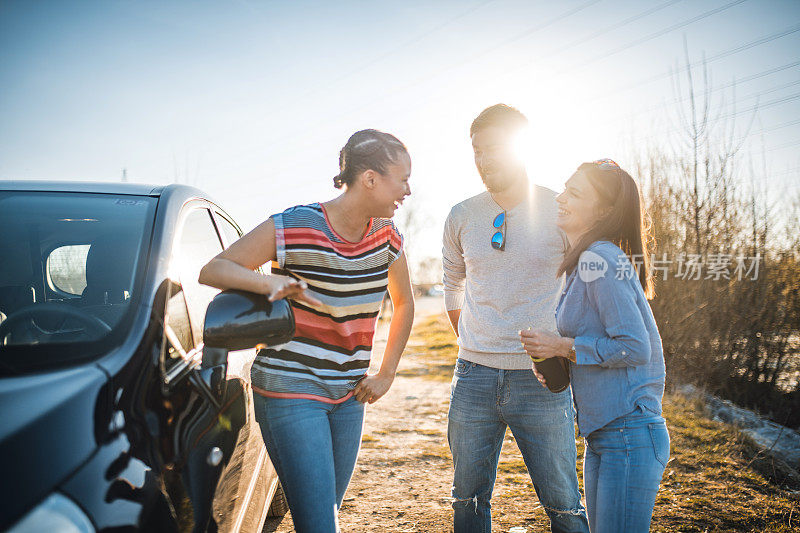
{"points": [[404, 472]]}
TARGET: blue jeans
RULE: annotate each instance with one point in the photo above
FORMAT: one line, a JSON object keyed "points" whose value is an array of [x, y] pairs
{"points": [[313, 446], [485, 401], [622, 470]]}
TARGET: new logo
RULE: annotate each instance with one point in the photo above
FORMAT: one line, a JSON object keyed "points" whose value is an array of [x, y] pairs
{"points": [[591, 266]]}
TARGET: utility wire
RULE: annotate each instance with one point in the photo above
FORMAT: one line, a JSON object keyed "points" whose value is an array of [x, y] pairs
{"points": [[610, 28], [716, 57], [407, 44], [734, 83], [720, 55], [386, 95], [651, 36], [364, 66], [655, 35], [516, 38], [777, 101]]}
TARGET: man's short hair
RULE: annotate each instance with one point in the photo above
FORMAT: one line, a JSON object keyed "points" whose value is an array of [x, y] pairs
{"points": [[499, 116]]}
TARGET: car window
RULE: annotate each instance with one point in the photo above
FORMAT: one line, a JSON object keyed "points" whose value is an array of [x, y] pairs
{"points": [[71, 269], [178, 339], [229, 232], [66, 268], [197, 245]]}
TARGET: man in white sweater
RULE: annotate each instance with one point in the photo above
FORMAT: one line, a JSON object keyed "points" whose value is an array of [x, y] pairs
{"points": [[501, 250]]}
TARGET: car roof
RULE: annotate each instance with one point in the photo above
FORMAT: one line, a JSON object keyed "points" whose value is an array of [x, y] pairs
{"points": [[172, 194], [105, 187], [138, 189]]}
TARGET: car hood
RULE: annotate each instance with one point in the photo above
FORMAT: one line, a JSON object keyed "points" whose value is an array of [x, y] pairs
{"points": [[47, 429]]}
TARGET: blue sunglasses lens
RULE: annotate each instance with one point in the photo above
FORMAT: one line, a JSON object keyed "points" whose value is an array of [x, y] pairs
{"points": [[499, 220], [497, 241]]}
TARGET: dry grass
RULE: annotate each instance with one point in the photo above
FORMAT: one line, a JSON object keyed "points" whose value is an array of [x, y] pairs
{"points": [[715, 480], [433, 344]]}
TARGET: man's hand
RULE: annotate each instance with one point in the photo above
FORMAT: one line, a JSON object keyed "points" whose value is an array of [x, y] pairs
{"points": [[371, 388], [454, 315]]}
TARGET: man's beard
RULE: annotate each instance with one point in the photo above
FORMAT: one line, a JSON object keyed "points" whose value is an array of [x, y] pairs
{"points": [[497, 185]]}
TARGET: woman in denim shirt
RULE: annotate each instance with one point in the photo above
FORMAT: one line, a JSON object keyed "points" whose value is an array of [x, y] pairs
{"points": [[608, 333]]}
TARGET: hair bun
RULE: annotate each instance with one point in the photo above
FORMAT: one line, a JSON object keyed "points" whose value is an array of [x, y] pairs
{"points": [[337, 181]]}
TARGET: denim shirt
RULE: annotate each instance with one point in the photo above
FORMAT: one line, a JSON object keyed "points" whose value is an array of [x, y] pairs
{"points": [[620, 362]]}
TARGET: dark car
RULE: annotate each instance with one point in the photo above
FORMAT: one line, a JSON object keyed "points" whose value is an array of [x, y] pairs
{"points": [[122, 405]]}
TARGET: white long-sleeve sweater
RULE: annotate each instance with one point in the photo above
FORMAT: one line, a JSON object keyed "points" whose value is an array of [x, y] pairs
{"points": [[502, 292]]}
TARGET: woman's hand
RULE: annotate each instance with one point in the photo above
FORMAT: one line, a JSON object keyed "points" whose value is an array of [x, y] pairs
{"points": [[538, 375], [278, 287], [541, 344], [371, 388]]}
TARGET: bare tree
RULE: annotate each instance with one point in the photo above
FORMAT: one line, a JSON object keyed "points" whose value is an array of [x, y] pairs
{"points": [[736, 332]]}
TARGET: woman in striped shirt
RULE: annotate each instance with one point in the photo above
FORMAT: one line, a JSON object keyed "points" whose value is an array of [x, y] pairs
{"points": [[334, 261]]}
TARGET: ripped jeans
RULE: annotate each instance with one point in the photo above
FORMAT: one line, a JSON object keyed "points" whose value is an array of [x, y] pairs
{"points": [[484, 402]]}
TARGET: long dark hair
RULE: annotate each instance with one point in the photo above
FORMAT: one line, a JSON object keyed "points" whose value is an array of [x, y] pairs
{"points": [[367, 150], [625, 222]]}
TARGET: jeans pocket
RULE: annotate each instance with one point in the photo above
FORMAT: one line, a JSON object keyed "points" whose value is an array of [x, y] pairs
{"points": [[463, 367], [588, 446], [660, 437]]}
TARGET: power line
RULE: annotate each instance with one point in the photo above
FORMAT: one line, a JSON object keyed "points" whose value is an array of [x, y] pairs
{"points": [[654, 35], [408, 43], [778, 126], [758, 107], [381, 57], [606, 29], [706, 14], [783, 146], [755, 108], [384, 96], [529, 32], [715, 57], [764, 130], [717, 89], [657, 34], [612, 27], [720, 55]]}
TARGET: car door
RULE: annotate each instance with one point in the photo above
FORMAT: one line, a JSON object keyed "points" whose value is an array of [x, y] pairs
{"points": [[255, 458], [207, 411]]}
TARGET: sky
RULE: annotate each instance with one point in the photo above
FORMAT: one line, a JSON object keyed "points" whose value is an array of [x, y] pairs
{"points": [[252, 101]]}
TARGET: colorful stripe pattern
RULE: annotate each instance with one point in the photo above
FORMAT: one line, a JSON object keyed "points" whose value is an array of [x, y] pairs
{"points": [[331, 349]]}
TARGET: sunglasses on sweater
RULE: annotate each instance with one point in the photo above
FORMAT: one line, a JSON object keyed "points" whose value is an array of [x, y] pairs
{"points": [[499, 238]]}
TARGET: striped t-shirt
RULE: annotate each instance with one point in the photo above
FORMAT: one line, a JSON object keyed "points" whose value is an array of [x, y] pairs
{"points": [[331, 349]]}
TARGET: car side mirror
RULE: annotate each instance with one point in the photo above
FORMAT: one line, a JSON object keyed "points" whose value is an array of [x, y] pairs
{"points": [[238, 320]]}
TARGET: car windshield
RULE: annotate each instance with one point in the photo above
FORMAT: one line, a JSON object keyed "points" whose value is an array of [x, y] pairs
{"points": [[69, 267]]}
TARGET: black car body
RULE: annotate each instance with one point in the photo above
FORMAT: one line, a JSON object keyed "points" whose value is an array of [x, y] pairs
{"points": [[114, 416]]}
